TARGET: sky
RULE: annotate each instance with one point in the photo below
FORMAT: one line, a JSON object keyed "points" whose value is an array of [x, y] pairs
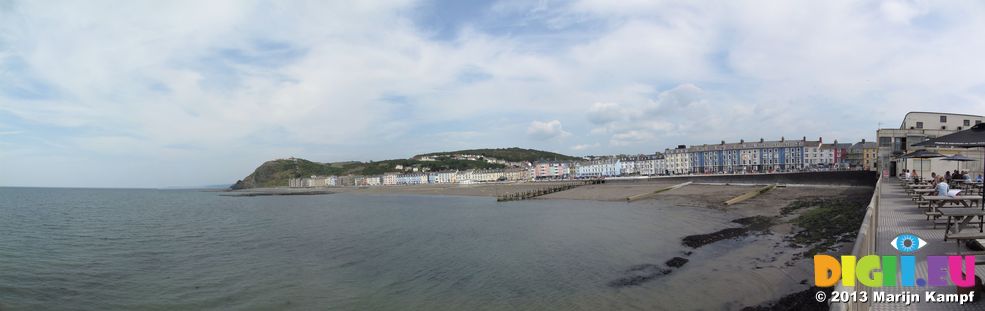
{"points": [[184, 93]]}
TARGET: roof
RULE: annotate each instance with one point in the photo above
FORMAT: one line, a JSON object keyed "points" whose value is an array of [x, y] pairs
{"points": [[865, 145], [902, 124], [838, 145]]}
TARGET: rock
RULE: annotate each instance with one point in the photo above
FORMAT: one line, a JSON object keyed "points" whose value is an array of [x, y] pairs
{"points": [[676, 262], [699, 240]]}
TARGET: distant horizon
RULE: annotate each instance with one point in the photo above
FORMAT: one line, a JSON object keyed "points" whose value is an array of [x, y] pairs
{"points": [[245, 173], [181, 92], [206, 187]]}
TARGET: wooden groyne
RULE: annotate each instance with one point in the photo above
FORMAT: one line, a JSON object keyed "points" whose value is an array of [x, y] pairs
{"points": [[750, 194], [523, 195], [645, 195]]}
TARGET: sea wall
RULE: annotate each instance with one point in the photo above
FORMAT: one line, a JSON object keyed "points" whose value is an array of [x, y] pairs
{"points": [[841, 178]]}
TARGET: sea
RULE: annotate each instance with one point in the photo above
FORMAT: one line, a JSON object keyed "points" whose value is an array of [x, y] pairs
{"points": [[128, 249]]}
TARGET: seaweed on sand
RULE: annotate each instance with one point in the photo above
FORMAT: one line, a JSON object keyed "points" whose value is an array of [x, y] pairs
{"points": [[755, 223], [830, 222]]}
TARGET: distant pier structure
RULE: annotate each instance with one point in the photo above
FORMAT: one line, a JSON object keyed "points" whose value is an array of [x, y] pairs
{"points": [[524, 195]]}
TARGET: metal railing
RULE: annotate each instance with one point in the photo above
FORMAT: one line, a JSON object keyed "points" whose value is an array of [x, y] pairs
{"points": [[865, 244]]}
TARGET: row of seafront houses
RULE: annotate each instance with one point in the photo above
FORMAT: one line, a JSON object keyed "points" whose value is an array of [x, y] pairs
{"points": [[724, 158]]}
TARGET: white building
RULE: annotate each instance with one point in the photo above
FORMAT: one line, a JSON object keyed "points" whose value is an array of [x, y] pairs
{"points": [[465, 177], [598, 168], [918, 126], [677, 160], [644, 165], [628, 167], [659, 166], [445, 177]]}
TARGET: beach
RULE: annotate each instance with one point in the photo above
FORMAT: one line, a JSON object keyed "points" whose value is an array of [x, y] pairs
{"points": [[766, 237]]}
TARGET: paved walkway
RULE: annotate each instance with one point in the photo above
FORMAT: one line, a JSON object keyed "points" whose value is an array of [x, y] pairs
{"points": [[898, 214]]}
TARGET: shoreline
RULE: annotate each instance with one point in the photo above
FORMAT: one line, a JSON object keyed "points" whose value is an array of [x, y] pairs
{"points": [[763, 238]]}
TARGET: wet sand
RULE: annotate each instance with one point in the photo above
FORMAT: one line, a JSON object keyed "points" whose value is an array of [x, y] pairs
{"points": [[762, 256]]}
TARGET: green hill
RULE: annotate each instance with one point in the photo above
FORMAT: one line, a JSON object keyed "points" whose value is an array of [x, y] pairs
{"points": [[513, 154], [276, 173]]}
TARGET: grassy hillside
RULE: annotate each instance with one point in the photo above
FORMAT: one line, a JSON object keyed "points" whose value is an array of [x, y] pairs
{"points": [[276, 173], [513, 154]]}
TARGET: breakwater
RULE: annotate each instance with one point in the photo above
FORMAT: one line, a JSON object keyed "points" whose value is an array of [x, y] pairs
{"points": [[523, 195]]}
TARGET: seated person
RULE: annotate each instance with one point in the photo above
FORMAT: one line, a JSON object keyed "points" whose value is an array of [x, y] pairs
{"points": [[944, 190]]}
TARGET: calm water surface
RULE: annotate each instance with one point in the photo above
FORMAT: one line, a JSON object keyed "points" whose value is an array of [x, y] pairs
{"points": [[81, 249]]}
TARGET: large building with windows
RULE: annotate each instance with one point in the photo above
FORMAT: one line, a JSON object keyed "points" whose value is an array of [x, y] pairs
{"points": [[677, 161], [747, 157], [599, 168], [551, 170], [916, 127]]}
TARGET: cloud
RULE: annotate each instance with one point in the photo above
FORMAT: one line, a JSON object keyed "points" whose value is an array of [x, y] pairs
{"points": [[235, 83], [604, 113], [680, 98], [900, 11], [546, 130], [583, 147]]}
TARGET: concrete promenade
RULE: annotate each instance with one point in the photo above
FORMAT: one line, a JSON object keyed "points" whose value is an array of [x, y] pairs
{"points": [[899, 214]]}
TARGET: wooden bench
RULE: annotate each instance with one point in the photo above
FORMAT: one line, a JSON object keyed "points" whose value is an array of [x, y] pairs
{"points": [[966, 235]]}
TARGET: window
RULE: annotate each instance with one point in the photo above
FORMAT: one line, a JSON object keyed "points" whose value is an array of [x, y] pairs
{"points": [[919, 125], [977, 122], [943, 119], [967, 122]]}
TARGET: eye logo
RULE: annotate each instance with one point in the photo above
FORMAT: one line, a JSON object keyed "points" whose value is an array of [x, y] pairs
{"points": [[908, 243]]}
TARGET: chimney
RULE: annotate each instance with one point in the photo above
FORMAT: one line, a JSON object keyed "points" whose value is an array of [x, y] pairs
{"points": [[820, 139], [781, 139], [723, 142], [836, 141], [742, 141], [863, 140], [760, 139], [804, 139]]}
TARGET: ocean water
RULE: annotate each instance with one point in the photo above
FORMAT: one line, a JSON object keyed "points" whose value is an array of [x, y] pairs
{"points": [[85, 249]]}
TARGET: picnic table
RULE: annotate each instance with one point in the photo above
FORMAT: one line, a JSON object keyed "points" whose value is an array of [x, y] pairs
{"points": [[958, 217], [921, 186], [917, 194], [913, 190], [936, 202], [970, 186], [965, 200]]}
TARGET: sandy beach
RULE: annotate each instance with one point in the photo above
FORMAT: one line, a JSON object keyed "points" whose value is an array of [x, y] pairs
{"points": [[763, 242]]}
